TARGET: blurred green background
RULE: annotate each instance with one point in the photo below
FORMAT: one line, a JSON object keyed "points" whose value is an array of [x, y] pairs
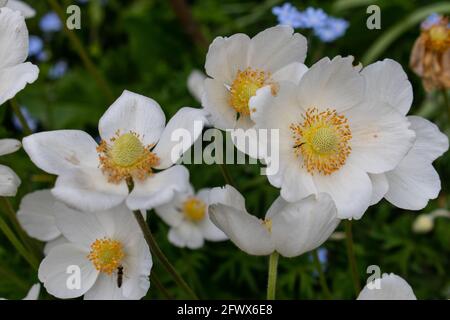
{"points": [[142, 46]]}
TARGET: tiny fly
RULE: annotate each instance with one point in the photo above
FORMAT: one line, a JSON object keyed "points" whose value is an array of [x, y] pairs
{"points": [[119, 276]]}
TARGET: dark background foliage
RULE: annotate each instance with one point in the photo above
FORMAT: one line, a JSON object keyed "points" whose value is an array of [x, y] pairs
{"points": [[140, 45]]}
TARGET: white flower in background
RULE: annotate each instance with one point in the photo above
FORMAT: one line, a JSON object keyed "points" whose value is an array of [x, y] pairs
{"points": [[391, 287], [135, 143], [187, 216], [9, 181], [110, 250], [26, 10], [36, 215], [33, 293], [291, 229], [196, 84], [413, 181], [424, 223], [239, 66], [331, 135], [14, 72]]}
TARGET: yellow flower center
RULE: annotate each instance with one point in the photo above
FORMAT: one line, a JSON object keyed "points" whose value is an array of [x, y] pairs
{"points": [[322, 140], [106, 255], [244, 87], [439, 37], [267, 223], [194, 209], [125, 157]]}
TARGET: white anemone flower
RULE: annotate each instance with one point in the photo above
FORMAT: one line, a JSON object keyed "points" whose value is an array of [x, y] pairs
{"points": [[388, 287], [238, 66], [36, 215], [414, 181], [25, 9], [33, 293], [109, 249], [15, 73], [331, 136], [135, 142], [188, 218], [9, 181], [290, 229]]}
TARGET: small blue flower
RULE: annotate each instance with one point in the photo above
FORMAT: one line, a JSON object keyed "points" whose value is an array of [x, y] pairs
{"points": [[332, 29], [431, 20], [36, 45], [50, 22], [323, 255], [313, 18], [58, 70], [32, 123], [287, 14]]}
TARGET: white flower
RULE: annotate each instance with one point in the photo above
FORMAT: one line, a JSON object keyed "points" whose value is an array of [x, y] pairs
{"points": [[424, 223], [331, 135], [9, 181], [101, 244], [135, 142], [291, 229], [239, 66], [187, 216], [196, 84], [414, 180], [26, 10], [391, 287], [14, 72], [33, 293]]}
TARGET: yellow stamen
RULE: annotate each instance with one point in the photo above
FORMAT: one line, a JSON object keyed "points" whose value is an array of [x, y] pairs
{"points": [[267, 223], [244, 87], [322, 140], [439, 37], [194, 209], [125, 157], [106, 255]]}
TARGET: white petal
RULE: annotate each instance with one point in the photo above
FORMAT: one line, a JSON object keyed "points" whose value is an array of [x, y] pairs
{"points": [[297, 183], [14, 79], [9, 182], [216, 102], [350, 188], [392, 287], [33, 293], [105, 288], [89, 190], [276, 47], [186, 235], [36, 215], [136, 113], [159, 188], [26, 10], [53, 271], [293, 72], [380, 137], [386, 81], [8, 146], [182, 130], [196, 84], [226, 56], [54, 243], [60, 151], [334, 84], [80, 228], [380, 186], [13, 37], [302, 226], [414, 181], [210, 231], [227, 195]]}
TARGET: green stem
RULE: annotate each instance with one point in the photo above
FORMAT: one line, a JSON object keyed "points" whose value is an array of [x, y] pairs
{"points": [[154, 248], [12, 216], [323, 281], [82, 52], [226, 175], [17, 244], [5, 273], [272, 277], [351, 256], [155, 281], [16, 109]]}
